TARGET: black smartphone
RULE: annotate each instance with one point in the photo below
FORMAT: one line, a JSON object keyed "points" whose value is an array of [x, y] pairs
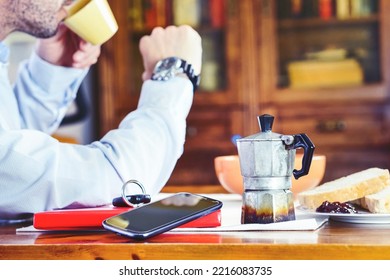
{"points": [[160, 216]]}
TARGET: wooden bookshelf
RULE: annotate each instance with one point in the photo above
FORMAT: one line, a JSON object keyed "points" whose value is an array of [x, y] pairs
{"points": [[251, 81]]}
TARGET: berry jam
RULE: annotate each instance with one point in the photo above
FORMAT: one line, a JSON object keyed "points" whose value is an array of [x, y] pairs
{"points": [[336, 207]]}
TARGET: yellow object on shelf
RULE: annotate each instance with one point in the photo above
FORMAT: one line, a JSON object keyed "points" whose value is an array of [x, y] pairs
{"points": [[65, 139], [323, 73]]}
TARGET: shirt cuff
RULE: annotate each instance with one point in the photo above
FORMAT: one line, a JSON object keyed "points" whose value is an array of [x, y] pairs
{"points": [[55, 77], [174, 95]]}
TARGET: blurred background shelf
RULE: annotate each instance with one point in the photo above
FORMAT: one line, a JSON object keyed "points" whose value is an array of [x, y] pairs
{"points": [[248, 46]]}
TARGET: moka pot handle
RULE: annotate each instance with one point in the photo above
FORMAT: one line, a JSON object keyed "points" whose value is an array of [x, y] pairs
{"points": [[303, 141]]}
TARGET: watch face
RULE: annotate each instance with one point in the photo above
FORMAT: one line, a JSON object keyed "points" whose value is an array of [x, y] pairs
{"points": [[171, 62], [167, 64], [167, 68]]}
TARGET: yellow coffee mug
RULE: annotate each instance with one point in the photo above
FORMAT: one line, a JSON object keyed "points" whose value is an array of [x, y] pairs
{"points": [[92, 20]]}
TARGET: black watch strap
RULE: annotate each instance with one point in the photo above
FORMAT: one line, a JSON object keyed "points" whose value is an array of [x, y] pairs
{"points": [[195, 79], [172, 66]]}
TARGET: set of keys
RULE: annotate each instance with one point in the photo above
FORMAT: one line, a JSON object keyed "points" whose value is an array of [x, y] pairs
{"points": [[133, 200]]}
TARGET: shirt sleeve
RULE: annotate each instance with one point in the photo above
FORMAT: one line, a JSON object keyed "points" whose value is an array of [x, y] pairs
{"points": [[44, 92], [38, 173]]}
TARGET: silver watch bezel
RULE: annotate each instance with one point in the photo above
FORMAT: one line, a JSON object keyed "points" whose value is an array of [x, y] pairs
{"points": [[168, 68]]}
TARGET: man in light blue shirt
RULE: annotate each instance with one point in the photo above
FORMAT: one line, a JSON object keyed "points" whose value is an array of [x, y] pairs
{"points": [[37, 172]]}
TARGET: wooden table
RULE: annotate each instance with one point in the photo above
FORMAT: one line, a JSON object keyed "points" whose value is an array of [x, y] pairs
{"points": [[333, 241]]}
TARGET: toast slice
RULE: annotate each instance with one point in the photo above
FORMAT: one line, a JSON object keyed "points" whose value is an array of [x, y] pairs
{"points": [[348, 188], [378, 202]]}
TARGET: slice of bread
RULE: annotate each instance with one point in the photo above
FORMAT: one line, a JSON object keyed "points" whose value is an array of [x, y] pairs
{"points": [[378, 202], [348, 188]]}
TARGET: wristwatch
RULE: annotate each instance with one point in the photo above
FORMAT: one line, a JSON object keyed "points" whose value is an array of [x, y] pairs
{"points": [[170, 67]]}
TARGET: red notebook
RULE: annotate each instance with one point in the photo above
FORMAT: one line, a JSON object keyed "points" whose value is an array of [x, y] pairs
{"points": [[92, 218]]}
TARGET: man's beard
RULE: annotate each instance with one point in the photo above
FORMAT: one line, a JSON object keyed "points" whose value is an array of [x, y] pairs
{"points": [[40, 32]]}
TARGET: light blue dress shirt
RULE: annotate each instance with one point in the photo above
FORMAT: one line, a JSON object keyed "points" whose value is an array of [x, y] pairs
{"points": [[39, 173]]}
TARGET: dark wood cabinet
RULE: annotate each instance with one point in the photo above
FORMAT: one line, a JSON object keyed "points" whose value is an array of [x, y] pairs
{"points": [[345, 115], [250, 54]]}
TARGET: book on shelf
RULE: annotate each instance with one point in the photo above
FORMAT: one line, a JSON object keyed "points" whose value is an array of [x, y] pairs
{"points": [[310, 8], [324, 73], [288, 9], [198, 13], [368, 7], [296, 8], [355, 8], [186, 12], [147, 14], [205, 17], [325, 9], [343, 8], [217, 13], [135, 15], [212, 61], [212, 13], [154, 13]]}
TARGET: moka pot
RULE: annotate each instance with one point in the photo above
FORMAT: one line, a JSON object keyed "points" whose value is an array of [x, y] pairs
{"points": [[267, 166]]}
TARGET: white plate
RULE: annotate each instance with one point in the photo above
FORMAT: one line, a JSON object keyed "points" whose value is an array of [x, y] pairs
{"points": [[362, 217]]}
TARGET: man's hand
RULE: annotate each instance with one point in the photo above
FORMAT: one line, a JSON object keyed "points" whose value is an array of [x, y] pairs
{"points": [[183, 42], [67, 49]]}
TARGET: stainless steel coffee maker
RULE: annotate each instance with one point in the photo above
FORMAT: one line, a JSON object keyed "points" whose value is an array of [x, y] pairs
{"points": [[267, 163]]}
